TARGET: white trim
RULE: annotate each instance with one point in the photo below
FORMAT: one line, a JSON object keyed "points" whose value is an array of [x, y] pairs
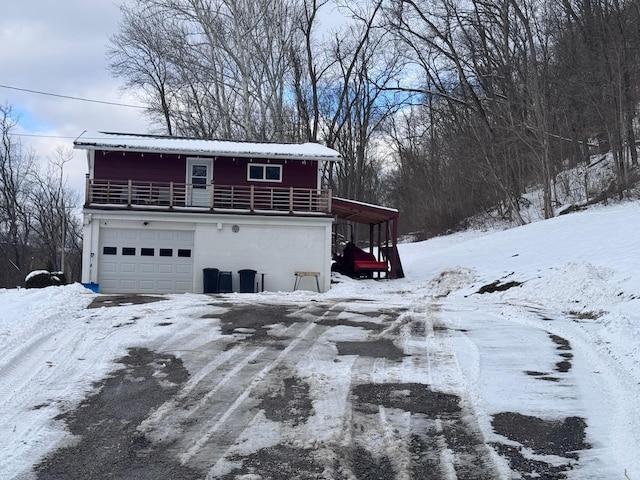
{"points": [[199, 197]]}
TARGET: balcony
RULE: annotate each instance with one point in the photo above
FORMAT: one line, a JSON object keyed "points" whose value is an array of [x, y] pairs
{"points": [[216, 198]]}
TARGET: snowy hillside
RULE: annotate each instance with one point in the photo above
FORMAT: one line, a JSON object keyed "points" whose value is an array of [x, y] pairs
{"points": [[559, 338]]}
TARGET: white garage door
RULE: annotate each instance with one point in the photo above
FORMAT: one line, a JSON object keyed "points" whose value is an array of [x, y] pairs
{"points": [[145, 261]]}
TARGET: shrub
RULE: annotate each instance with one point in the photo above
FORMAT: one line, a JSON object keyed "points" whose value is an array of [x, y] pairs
{"points": [[44, 278]]}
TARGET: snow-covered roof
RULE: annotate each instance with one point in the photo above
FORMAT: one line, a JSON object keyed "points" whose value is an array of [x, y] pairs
{"points": [[197, 146], [361, 212]]}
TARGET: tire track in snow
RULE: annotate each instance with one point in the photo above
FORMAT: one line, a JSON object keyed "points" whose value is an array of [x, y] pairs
{"points": [[172, 420], [215, 424], [299, 437], [39, 389], [390, 418]]}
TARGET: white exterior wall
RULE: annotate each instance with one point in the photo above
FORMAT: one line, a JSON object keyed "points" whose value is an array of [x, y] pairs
{"points": [[275, 245]]}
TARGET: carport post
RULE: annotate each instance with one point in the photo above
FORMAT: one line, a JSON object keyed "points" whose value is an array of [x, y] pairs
{"points": [[394, 241], [371, 225]]}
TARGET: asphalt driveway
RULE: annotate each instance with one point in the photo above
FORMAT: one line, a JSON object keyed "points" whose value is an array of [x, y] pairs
{"points": [[326, 389]]}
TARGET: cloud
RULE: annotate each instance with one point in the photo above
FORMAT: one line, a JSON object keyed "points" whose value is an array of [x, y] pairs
{"points": [[59, 48]]}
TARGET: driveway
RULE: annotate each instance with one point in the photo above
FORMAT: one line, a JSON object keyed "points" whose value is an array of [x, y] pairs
{"points": [[304, 388]]}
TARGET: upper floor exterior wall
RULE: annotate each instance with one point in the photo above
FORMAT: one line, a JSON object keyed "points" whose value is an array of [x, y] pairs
{"points": [[158, 167], [144, 170]]}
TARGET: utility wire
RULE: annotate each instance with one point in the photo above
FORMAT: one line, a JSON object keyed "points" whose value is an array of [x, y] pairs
{"points": [[37, 135], [71, 98]]}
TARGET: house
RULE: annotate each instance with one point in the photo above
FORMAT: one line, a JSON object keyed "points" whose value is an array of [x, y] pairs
{"points": [[160, 210]]}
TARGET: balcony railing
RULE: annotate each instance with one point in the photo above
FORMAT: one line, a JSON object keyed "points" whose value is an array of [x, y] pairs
{"points": [[132, 194]]}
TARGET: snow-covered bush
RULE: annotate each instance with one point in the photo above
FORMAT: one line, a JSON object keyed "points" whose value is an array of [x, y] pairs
{"points": [[44, 278]]}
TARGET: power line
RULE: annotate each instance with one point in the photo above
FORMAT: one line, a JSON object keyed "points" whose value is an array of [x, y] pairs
{"points": [[36, 135], [69, 97]]}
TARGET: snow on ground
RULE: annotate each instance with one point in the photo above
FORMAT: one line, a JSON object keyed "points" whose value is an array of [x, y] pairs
{"points": [[577, 288]]}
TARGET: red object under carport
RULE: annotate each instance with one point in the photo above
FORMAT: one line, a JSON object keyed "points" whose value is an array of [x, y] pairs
{"points": [[386, 221]]}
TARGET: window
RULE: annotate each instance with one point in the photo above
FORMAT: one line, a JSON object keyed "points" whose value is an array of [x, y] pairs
{"points": [[109, 250], [264, 173], [128, 251], [184, 253], [147, 252], [166, 252], [199, 176]]}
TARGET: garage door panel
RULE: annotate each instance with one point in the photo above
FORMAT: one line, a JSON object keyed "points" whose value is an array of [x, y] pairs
{"points": [[165, 268], [168, 285], [148, 273], [110, 236], [148, 235], [108, 285], [184, 237], [183, 286], [147, 268], [184, 269], [166, 236], [146, 285], [128, 268], [129, 235], [109, 267], [127, 285]]}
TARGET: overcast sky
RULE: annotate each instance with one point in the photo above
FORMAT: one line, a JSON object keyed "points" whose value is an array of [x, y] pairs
{"points": [[59, 47]]}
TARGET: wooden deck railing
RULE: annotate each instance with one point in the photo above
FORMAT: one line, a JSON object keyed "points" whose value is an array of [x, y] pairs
{"points": [[133, 194]]}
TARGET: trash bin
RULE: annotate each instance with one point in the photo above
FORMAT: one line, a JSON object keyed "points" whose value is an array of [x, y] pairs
{"points": [[224, 282], [210, 280], [247, 281]]}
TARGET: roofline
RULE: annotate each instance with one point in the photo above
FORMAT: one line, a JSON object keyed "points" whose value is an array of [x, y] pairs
{"points": [[361, 212], [95, 144], [366, 206]]}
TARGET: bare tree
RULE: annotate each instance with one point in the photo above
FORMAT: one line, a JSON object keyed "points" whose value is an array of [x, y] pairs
{"points": [[16, 167], [54, 224], [599, 72], [308, 70], [213, 68], [489, 62], [141, 53], [356, 102], [39, 227], [258, 70]]}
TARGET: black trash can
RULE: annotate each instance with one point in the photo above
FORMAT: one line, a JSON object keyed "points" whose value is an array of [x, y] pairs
{"points": [[210, 280], [224, 284], [247, 281]]}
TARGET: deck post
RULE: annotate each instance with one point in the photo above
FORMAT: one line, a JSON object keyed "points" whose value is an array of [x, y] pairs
{"points": [[290, 199]]}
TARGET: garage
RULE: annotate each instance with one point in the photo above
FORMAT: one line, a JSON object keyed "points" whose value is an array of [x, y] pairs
{"points": [[145, 260]]}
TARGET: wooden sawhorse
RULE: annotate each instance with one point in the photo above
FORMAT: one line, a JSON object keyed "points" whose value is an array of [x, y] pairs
{"points": [[300, 275]]}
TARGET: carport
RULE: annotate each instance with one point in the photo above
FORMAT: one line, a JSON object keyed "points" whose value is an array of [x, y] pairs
{"points": [[383, 229]]}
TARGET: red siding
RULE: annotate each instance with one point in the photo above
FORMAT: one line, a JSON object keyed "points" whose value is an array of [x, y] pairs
{"points": [[156, 167], [141, 167], [295, 173]]}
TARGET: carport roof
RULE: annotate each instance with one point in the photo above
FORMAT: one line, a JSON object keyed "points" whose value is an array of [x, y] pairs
{"points": [[361, 212]]}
